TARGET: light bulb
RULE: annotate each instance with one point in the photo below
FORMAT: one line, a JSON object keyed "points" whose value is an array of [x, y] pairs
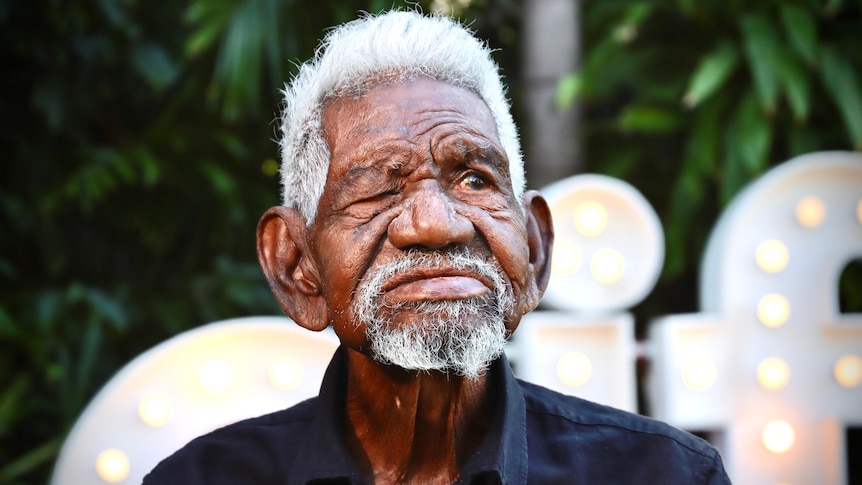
{"points": [[607, 265], [699, 375], [574, 369], [591, 218], [773, 374], [773, 310], [778, 436], [848, 371], [154, 410], [285, 375], [810, 212], [566, 258], [215, 376], [772, 256], [112, 465]]}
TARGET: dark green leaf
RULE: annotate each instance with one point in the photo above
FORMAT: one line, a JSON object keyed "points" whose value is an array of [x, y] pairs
{"points": [[796, 86], [702, 147], [801, 140], [686, 6], [48, 308], [711, 73], [568, 88], [221, 180], [801, 29], [7, 326], [750, 136], [833, 6], [9, 401], [690, 189], [637, 12], [108, 308], [610, 66], [48, 98], [733, 176], [761, 49], [88, 355], [239, 68], [29, 461], [648, 119], [203, 38], [839, 77], [233, 145], [154, 65], [621, 163], [149, 165], [197, 11]]}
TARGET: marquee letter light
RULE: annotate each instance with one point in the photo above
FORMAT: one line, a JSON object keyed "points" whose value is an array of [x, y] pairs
{"points": [[608, 252], [191, 384], [771, 362]]}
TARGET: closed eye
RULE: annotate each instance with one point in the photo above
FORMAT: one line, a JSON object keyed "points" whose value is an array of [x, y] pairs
{"points": [[372, 206]]}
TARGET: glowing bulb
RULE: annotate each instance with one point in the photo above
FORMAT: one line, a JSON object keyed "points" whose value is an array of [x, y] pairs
{"points": [[773, 310], [566, 258], [215, 376], [699, 375], [591, 218], [772, 256], [607, 265], [810, 211], [848, 371], [112, 465], [154, 410], [778, 436], [773, 374], [285, 375], [574, 369]]}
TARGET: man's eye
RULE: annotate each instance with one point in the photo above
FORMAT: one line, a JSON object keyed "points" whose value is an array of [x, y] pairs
{"points": [[474, 182]]}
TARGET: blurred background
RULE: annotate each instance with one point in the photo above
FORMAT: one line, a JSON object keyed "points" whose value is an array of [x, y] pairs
{"points": [[138, 153]]}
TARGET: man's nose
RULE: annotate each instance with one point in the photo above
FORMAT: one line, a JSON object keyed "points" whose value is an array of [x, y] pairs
{"points": [[429, 220]]}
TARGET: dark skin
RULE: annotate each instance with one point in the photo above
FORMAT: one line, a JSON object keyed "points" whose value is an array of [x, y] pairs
{"points": [[415, 165]]}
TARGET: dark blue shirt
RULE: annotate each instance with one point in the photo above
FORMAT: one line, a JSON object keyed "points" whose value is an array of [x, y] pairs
{"points": [[536, 436]]}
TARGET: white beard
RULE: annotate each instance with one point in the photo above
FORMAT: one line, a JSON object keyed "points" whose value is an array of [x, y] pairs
{"points": [[461, 336]]}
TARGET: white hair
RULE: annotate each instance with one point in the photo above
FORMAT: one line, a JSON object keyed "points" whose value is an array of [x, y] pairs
{"points": [[392, 45], [462, 336]]}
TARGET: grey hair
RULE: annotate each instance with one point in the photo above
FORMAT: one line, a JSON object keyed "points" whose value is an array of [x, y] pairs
{"points": [[392, 45]]}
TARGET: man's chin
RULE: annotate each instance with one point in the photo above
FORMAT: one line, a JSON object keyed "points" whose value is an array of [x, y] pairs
{"points": [[465, 348], [461, 369]]}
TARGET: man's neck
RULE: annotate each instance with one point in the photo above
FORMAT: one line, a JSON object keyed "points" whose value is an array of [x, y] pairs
{"points": [[412, 427]]}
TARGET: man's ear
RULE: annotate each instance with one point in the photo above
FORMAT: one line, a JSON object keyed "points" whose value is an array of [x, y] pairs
{"points": [[540, 237], [282, 250]]}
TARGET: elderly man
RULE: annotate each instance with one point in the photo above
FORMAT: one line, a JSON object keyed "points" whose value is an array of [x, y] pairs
{"points": [[406, 227]]}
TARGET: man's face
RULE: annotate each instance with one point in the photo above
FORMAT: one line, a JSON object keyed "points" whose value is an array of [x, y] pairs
{"points": [[418, 234]]}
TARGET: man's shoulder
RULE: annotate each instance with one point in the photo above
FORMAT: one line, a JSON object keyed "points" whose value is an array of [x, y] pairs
{"points": [[295, 415], [581, 412], [238, 447], [600, 437]]}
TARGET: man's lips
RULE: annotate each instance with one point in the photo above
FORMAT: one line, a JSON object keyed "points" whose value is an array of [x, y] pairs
{"points": [[430, 286]]}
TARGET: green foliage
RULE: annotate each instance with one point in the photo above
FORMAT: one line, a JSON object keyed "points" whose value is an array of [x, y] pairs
{"points": [[138, 156], [708, 95]]}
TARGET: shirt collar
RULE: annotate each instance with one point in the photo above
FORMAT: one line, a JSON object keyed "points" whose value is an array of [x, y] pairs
{"points": [[503, 451], [324, 454]]}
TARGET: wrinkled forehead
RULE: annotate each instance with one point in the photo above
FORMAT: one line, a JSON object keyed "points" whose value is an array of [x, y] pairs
{"points": [[408, 109]]}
